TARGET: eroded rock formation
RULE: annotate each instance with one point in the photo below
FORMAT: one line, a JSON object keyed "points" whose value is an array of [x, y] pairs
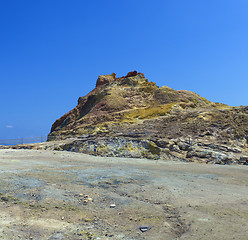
{"points": [[132, 117]]}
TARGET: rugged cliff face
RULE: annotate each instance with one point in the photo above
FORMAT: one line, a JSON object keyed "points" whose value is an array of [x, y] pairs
{"points": [[132, 117]]}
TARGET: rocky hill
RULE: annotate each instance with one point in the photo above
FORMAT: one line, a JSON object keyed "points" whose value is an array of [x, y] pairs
{"points": [[132, 117]]}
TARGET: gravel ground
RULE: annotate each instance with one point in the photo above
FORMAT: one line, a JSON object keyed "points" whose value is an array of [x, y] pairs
{"points": [[65, 195]]}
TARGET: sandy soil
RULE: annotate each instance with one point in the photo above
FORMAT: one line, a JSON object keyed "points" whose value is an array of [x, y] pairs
{"points": [[64, 195]]}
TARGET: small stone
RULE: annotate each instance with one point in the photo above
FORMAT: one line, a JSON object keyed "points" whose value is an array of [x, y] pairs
{"points": [[112, 206], [62, 218], [88, 220], [144, 228]]}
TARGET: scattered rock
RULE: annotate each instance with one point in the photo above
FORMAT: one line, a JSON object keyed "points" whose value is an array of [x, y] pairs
{"points": [[174, 148], [144, 228], [88, 220], [183, 146]]}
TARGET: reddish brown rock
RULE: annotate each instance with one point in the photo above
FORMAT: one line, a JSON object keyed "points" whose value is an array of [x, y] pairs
{"points": [[104, 79], [132, 74]]}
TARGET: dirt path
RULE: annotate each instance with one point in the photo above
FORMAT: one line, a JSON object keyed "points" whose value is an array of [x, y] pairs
{"points": [[64, 195]]}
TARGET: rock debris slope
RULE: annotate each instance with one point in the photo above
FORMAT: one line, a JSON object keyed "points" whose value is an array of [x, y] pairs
{"points": [[133, 117]]}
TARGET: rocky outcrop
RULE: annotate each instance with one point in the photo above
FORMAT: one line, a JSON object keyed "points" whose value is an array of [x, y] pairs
{"points": [[132, 117], [105, 79], [3, 147]]}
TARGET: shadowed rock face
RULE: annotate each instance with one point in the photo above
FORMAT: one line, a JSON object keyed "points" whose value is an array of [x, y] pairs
{"points": [[132, 117]]}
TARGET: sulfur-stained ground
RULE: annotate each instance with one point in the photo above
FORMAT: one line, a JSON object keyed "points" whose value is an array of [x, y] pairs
{"points": [[64, 195]]}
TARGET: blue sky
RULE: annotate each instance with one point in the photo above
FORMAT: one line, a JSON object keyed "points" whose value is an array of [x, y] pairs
{"points": [[51, 52]]}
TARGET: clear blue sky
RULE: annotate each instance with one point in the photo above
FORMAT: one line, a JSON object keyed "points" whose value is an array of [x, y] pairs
{"points": [[52, 51]]}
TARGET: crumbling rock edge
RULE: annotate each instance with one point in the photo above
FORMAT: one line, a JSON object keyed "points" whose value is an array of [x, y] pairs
{"points": [[160, 149]]}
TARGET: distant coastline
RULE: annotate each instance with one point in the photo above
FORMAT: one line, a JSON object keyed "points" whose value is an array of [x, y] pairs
{"points": [[16, 141]]}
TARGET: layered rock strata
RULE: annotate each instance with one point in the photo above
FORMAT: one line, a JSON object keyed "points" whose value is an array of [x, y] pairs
{"points": [[132, 117]]}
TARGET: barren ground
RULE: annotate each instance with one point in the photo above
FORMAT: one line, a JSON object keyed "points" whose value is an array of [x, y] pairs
{"points": [[64, 195]]}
